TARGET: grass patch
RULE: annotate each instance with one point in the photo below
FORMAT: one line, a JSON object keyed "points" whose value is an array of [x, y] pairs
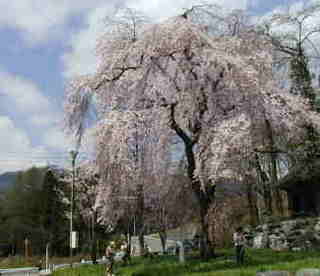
{"points": [[224, 265]]}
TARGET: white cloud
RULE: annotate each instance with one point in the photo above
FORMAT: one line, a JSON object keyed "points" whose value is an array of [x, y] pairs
{"points": [[40, 20], [81, 59], [18, 152], [25, 97], [16, 149], [41, 120], [23, 93], [26, 100], [160, 9], [56, 139]]}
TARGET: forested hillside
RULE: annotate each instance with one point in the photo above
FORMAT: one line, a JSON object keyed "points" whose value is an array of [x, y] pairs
{"points": [[32, 207], [7, 179]]}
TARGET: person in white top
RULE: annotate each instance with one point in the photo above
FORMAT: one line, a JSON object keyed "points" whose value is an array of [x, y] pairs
{"points": [[239, 243]]}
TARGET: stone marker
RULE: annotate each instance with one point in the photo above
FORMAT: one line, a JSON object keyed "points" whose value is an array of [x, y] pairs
{"points": [[308, 272], [274, 273]]}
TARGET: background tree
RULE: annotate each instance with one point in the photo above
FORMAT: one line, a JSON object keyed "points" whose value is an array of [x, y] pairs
{"points": [[293, 35]]}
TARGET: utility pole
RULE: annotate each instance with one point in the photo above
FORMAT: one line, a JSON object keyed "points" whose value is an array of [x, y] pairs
{"points": [[73, 154]]}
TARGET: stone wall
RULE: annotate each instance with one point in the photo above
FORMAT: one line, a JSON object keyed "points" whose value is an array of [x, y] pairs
{"points": [[296, 234]]}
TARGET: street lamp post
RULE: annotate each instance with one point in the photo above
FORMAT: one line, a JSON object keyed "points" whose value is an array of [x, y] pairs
{"points": [[73, 154]]}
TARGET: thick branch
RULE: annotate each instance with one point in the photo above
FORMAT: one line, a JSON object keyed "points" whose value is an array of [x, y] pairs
{"points": [[179, 131], [117, 77]]}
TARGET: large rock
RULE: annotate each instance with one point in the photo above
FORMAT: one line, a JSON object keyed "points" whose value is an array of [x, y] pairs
{"points": [[317, 226], [288, 225], [261, 240], [295, 234], [274, 273], [308, 272], [278, 242]]}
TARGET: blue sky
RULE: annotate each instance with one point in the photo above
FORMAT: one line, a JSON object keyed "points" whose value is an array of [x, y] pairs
{"points": [[43, 43]]}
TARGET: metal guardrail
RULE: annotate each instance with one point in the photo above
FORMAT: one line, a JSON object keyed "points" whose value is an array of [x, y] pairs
{"points": [[27, 271]]}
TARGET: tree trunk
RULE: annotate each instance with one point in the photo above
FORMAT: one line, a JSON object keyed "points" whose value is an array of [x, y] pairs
{"points": [[274, 171], [267, 196], [205, 199], [93, 239], [264, 183], [252, 204], [141, 243], [206, 246], [140, 218], [163, 239], [279, 201], [204, 193]]}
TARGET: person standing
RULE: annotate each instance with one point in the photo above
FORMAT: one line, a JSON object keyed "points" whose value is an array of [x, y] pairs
{"points": [[239, 243], [126, 257], [110, 258]]}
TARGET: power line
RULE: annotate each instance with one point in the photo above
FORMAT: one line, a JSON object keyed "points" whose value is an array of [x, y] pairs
{"points": [[34, 152], [39, 158], [36, 155]]}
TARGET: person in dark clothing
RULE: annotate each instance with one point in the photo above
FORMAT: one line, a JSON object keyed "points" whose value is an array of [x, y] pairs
{"points": [[239, 243], [126, 257], [110, 258]]}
